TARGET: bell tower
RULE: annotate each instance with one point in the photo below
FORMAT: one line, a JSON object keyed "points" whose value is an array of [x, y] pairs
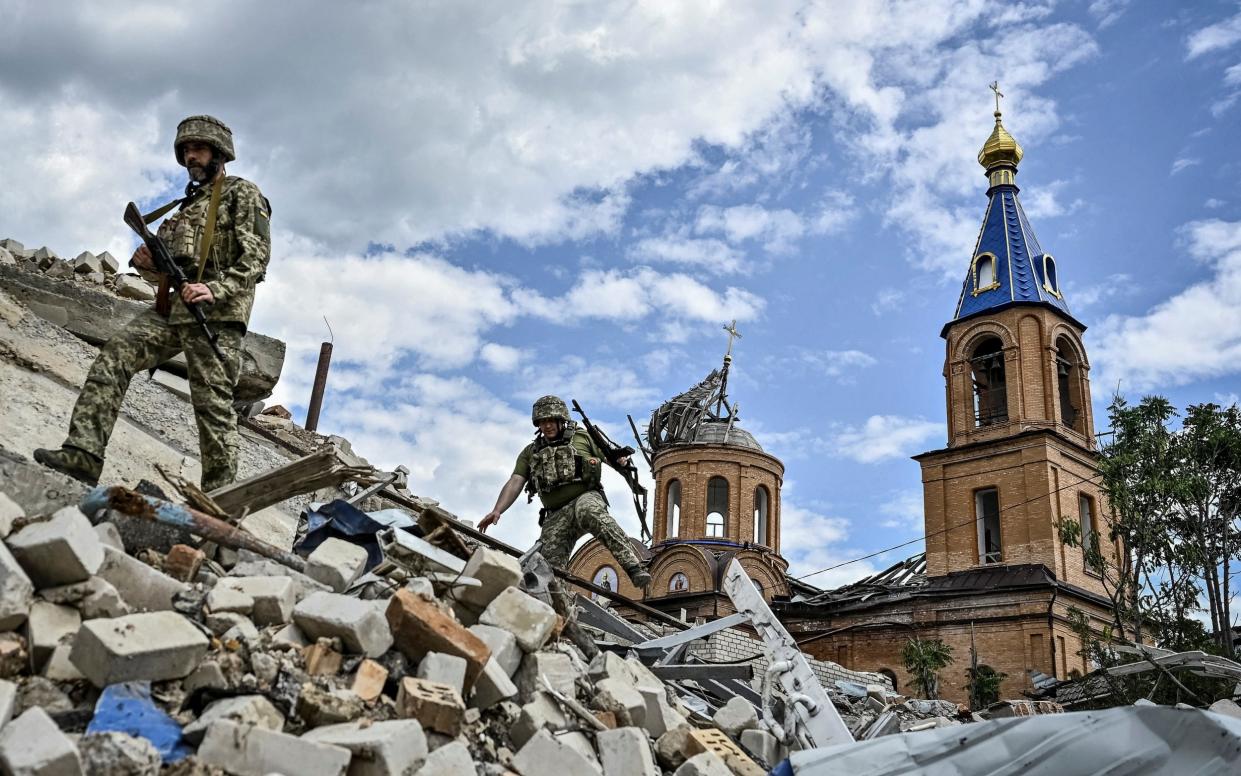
{"points": [[1021, 451]]}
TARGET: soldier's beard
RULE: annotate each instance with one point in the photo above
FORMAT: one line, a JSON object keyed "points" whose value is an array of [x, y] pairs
{"points": [[201, 175]]}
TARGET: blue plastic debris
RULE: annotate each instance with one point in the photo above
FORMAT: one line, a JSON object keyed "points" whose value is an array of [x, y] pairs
{"points": [[341, 520], [128, 708]]}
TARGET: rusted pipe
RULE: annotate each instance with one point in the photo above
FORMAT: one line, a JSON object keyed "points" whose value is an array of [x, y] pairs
{"points": [[316, 393], [128, 502]]}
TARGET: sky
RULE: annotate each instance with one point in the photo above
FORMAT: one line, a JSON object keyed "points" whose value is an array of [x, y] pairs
{"points": [[488, 202]]}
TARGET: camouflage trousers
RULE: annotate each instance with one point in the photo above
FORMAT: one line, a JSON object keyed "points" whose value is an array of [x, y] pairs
{"points": [[586, 514], [147, 341]]}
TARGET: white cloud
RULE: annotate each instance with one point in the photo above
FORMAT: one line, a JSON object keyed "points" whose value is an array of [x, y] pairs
{"points": [[1214, 204], [1045, 201], [593, 383], [1108, 11], [711, 255], [886, 300], [811, 541], [1220, 35], [883, 437], [1182, 163], [837, 364], [1194, 334], [776, 230], [1116, 285], [501, 358], [1232, 76], [904, 511]]}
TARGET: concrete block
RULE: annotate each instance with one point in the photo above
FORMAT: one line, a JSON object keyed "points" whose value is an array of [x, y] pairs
{"points": [[58, 551], [541, 713], [494, 570], [120, 754], [670, 748], [1222, 706], [318, 707], [153, 646], [244, 631], [59, 668], [360, 627], [336, 563], [526, 617], [543, 754], [8, 701], [208, 675], [16, 591], [444, 669], [451, 759], [420, 626], [492, 686], [220, 623], [253, 710], [254, 751], [556, 666], [251, 565], [704, 764], [32, 745], [47, 626], [109, 535], [142, 587], [620, 698], [290, 637], [111, 265], [94, 598], [735, 716], [660, 715], [10, 510], [626, 752], [764, 745], [273, 597], [389, 748], [503, 646], [223, 598], [577, 741], [437, 707]]}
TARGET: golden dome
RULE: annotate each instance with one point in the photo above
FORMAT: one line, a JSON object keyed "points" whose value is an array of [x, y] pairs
{"points": [[1000, 148]]}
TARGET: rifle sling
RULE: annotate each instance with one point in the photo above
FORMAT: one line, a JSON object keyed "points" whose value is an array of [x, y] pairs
{"points": [[204, 247]]}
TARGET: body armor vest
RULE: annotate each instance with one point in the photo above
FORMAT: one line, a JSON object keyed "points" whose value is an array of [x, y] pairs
{"points": [[555, 463]]}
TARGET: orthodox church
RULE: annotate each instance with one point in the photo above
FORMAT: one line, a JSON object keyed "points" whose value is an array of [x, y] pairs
{"points": [[995, 580]]}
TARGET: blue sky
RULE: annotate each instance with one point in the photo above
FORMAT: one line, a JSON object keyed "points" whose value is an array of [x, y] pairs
{"points": [[491, 203]]}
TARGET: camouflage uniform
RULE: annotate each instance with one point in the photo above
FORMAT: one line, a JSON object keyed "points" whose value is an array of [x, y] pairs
{"points": [[239, 252], [566, 473]]}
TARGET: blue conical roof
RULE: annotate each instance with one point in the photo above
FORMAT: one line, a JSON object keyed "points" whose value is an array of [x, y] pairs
{"points": [[1009, 266]]}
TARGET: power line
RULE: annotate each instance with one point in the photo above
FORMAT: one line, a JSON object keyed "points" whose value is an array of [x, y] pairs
{"points": [[971, 521]]}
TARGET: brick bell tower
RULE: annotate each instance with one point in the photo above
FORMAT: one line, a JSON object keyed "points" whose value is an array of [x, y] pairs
{"points": [[1021, 449], [717, 497]]}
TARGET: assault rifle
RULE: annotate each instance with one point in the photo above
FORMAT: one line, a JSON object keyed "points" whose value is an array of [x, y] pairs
{"points": [[612, 453], [164, 263]]}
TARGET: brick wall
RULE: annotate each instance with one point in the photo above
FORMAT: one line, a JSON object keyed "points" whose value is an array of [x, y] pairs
{"points": [[733, 646]]}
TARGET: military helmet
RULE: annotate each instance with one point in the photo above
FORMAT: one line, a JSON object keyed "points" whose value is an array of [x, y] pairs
{"points": [[204, 129], [549, 407]]}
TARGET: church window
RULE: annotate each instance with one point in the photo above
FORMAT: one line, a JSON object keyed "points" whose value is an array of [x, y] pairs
{"points": [[605, 578], [757, 585], [985, 275], [761, 505], [673, 508], [1086, 516], [987, 513], [717, 506], [888, 672], [679, 583], [990, 388], [1050, 281], [1068, 383]]}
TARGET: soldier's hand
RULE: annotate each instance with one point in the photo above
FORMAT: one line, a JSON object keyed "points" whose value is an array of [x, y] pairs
{"points": [[142, 258], [623, 461], [197, 292], [491, 519]]}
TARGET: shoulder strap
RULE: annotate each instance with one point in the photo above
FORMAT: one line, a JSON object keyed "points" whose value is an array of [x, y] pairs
{"points": [[159, 211], [204, 248]]}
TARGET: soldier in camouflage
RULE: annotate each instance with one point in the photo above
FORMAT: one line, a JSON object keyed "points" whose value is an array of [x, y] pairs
{"points": [[221, 236], [564, 467]]}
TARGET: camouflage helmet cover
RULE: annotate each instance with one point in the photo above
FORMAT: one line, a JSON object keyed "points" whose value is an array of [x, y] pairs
{"points": [[549, 407], [204, 129]]}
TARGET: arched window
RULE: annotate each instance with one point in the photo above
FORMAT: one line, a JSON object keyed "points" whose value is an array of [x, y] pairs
{"points": [[891, 677], [762, 503], [679, 583], [1050, 281], [987, 514], [757, 585], [672, 512], [1068, 381], [606, 578], [990, 388], [717, 506], [985, 277]]}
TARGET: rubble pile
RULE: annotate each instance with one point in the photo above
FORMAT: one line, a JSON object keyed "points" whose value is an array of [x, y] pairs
{"points": [[102, 269]]}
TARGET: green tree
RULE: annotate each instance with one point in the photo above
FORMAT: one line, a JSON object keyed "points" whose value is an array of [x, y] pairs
{"points": [[983, 685], [924, 659]]}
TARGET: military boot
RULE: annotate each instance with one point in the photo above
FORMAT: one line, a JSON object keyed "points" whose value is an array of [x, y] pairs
{"points": [[73, 461], [640, 577]]}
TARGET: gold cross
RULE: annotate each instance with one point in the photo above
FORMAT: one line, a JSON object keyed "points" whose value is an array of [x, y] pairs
{"points": [[732, 334], [995, 87]]}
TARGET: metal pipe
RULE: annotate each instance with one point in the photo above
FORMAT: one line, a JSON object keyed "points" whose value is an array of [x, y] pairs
{"points": [[316, 393], [128, 502]]}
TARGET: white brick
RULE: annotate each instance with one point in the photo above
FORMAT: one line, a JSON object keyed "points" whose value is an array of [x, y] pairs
{"points": [[542, 712], [253, 751], [735, 716], [254, 710], [705, 764], [32, 745], [620, 698], [223, 598], [557, 667], [46, 627], [389, 748], [360, 626], [16, 591], [58, 551], [152, 646], [543, 755], [8, 701], [10, 510], [445, 669], [273, 597], [492, 686], [494, 570], [451, 759], [503, 646], [527, 618], [626, 752], [336, 563], [141, 586]]}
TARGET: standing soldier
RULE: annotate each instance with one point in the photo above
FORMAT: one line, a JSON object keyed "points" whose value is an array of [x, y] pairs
{"points": [[565, 468], [221, 236]]}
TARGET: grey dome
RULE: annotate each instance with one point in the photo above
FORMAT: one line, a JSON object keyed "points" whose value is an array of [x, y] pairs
{"points": [[718, 433]]}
